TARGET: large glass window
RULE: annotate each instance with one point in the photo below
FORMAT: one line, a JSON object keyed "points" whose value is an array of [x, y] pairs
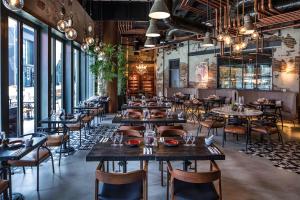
{"points": [[13, 63], [90, 77], [28, 79], [21, 77], [174, 73], [76, 55]]}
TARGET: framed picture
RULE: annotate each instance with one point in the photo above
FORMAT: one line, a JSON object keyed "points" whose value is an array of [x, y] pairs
{"points": [[202, 73]]}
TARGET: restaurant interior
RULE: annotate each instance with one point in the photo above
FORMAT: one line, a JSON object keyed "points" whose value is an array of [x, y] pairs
{"points": [[150, 99]]}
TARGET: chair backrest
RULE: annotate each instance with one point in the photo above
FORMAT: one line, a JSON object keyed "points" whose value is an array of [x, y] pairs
{"points": [[137, 128], [120, 178], [162, 128], [196, 177], [172, 133], [131, 133]]}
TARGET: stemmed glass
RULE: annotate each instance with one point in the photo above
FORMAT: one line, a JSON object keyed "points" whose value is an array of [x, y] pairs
{"points": [[186, 139], [117, 139], [193, 139]]}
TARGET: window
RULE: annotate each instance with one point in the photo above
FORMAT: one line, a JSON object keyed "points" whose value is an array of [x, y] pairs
{"points": [[90, 77], [21, 88], [236, 74], [76, 54], [174, 73]]}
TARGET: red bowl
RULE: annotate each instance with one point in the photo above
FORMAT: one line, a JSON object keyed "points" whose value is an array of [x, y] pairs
{"points": [[171, 143], [133, 142]]}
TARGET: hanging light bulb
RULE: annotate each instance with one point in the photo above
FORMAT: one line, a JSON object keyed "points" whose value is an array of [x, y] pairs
{"points": [[70, 32], [243, 45], [242, 30], [62, 23], [220, 37], [227, 39], [101, 56], [13, 5], [255, 35], [159, 10], [84, 47], [237, 47], [97, 49], [90, 40]]}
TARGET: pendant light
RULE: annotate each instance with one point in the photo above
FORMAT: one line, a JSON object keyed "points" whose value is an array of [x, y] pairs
{"points": [[207, 42], [248, 25], [90, 39], [255, 34], [208, 22], [13, 5], [84, 47], [152, 30], [70, 33], [149, 42], [159, 10], [62, 23], [97, 48], [242, 28]]}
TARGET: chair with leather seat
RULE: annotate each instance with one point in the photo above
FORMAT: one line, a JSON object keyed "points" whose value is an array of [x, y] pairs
{"points": [[267, 126], [76, 127], [34, 158], [169, 133], [141, 129], [117, 186], [56, 139], [4, 185], [235, 130], [195, 185], [131, 133], [160, 129], [211, 122]]}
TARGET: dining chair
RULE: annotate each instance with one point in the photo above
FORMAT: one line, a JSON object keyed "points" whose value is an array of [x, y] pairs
{"points": [[34, 158], [4, 186], [168, 133], [55, 138], [195, 185], [267, 126], [76, 127], [160, 129], [131, 133], [210, 121], [235, 130], [129, 186], [137, 128]]}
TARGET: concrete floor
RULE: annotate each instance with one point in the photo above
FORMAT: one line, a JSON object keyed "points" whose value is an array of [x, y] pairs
{"points": [[244, 177]]}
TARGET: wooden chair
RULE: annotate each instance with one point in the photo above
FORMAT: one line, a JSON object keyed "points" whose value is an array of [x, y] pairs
{"points": [[4, 185], [195, 186], [131, 133], [33, 159], [169, 133], [129, 186], [211, 122], [141, 129], [55, 138], [235, 130], [76, 127], [160, 129]]}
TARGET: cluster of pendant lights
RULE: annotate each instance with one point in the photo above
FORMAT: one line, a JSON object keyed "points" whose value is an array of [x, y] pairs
{"points": [[65, 24], [159, 10]]}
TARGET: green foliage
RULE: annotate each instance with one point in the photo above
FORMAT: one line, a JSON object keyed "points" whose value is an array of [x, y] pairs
{"points": [[113, 65]]}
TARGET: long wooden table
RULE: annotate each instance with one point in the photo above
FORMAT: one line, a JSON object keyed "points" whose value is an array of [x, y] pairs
{"points": [[165, 120]]}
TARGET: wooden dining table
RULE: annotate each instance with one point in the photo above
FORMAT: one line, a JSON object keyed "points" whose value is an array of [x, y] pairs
{"points": [[105, 151], [141, 107], [7, 154], [164, 121]]}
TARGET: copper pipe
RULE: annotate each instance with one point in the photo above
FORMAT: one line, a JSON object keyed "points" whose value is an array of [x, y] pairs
{"points": [[222, 49], [220, 22], [271, 8], [262, 7], [216, 18], [225, 17]]}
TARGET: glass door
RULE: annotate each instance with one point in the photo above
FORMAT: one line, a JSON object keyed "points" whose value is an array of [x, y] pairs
{"points": [[21, 76], [28, 69]]}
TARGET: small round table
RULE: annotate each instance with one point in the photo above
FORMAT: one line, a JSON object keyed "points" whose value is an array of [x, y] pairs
{"points": [[226, 111]]}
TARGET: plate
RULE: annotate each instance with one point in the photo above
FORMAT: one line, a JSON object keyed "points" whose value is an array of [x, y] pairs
{"points": [[171, 143], [133, 143], [16, 144]]}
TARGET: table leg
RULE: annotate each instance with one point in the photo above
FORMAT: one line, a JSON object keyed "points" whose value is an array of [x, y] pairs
{"points": [[66, 149]]}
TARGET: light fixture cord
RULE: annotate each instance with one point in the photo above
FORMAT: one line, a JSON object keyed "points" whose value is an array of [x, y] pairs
{"points": [[220, 18]]}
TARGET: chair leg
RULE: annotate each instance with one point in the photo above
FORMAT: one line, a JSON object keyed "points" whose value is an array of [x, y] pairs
{"points": [[9, 183], [224, 138], [38, 177], [52, 161], [59, 154], [96, 189], [24, 170], [199, 130], [162, 173], [208, 132]]}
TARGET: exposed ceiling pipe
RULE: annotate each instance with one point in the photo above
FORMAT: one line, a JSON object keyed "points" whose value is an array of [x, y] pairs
{"points": [[271, 8], [262, 8]]}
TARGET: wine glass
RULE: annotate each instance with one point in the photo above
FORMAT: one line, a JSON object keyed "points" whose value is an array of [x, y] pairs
{"points": [[193, 138], [185, 137]]}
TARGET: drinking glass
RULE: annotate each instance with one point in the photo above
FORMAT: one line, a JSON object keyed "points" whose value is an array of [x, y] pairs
{"points": [[186, 139], [193, 139], [120, 139]]}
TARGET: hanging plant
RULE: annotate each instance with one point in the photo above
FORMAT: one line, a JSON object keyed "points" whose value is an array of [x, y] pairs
{"points": [[111, 64]]}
